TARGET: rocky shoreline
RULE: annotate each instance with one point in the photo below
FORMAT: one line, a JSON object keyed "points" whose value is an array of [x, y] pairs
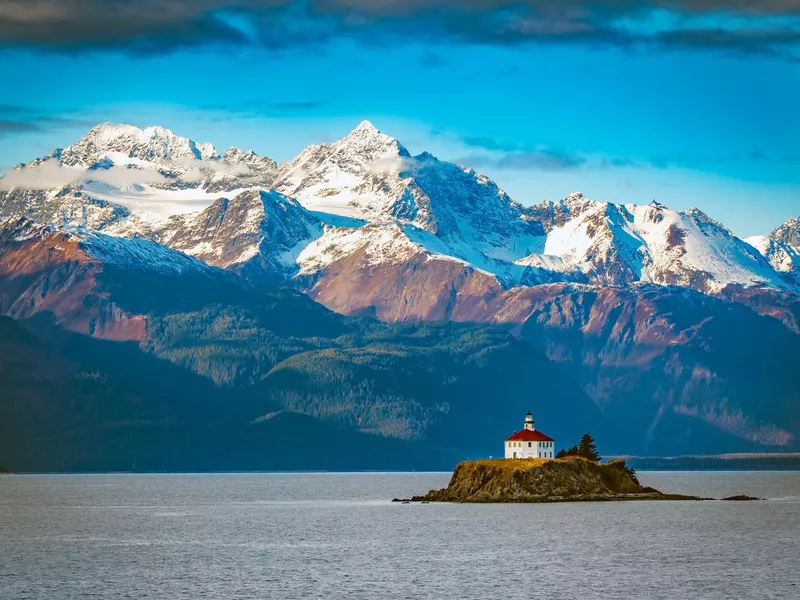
{"points": [[571, 479]]}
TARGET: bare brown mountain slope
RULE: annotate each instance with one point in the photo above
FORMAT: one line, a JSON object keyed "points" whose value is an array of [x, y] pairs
{"points": [[46, 270]]}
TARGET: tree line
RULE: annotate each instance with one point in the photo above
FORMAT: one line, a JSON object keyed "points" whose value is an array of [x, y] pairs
{"points": [[585, 448]]}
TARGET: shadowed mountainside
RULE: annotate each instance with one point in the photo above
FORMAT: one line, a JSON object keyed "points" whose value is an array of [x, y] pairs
{"points": [[74, 403]]}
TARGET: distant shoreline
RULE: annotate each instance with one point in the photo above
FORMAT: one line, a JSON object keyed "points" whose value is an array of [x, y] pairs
{"points": [[718, 462], [640, 463]]}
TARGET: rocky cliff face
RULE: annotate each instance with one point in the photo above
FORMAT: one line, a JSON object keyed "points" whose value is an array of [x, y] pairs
{"points": [[540, 480]]}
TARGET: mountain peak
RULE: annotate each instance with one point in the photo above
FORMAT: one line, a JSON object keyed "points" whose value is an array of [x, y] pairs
{"points": [[109, 131], [235, 155], [157, 131], [365, 127], [152, 144], [788, 233], [369, 142]]}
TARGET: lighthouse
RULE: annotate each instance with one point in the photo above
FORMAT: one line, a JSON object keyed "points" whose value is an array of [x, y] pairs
{"points": [[529, 443]]}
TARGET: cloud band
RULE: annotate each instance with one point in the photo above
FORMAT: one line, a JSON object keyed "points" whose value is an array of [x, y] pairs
{"points": [[769, 27]]}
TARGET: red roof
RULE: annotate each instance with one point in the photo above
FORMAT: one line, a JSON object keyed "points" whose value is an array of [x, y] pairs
{"points": [[526, 435]]}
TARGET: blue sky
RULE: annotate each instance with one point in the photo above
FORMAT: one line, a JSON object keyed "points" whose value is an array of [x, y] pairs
{"points": [[689, 124]]}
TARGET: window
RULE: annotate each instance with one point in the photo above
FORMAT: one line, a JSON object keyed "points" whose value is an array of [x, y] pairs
{"points": [[529, 444]]}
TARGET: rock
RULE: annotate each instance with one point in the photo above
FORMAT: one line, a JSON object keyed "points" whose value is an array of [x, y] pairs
{"points": [[543, 480]]}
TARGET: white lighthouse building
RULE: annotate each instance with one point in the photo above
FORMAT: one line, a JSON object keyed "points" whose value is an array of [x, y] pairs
{"points": [[529, 443]]}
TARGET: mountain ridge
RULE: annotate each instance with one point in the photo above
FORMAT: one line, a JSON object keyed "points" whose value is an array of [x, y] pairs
{"points": [[447, 211]]}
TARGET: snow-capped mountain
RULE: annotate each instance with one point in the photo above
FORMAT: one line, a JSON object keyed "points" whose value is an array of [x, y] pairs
{"points": [[783, 257], [372, 177], [782, 249], [126, 144], [365, 227], [614, 244], [257, 233], [69, 204], [788, 233], [136, 253], [118, 171]]}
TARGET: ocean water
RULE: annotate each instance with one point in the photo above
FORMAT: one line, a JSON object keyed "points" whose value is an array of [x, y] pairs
{"points": [[338, 536]]}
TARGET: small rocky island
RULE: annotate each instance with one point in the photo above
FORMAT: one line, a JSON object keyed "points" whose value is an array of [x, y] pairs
{"points": [[531, 472], [568, 479]]}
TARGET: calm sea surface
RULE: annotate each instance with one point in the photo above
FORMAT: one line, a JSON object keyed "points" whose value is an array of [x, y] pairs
{"points": [[337, 536]]}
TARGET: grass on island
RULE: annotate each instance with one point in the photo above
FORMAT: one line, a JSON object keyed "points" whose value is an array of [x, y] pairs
{"points": [[518, 464]]}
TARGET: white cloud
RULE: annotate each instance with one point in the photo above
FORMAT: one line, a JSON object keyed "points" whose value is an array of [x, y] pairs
{"points": [[390, 165], [214, 166], [51, 174]]}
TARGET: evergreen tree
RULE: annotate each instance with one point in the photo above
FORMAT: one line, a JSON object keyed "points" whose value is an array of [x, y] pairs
{"points": [[587, 448]]}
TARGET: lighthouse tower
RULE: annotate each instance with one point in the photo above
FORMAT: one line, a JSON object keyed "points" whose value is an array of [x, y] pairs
{"points": [[529, 425]]}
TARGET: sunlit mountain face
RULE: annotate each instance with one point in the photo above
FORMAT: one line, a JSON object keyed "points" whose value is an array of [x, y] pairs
{"points": [[364, 202]]}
